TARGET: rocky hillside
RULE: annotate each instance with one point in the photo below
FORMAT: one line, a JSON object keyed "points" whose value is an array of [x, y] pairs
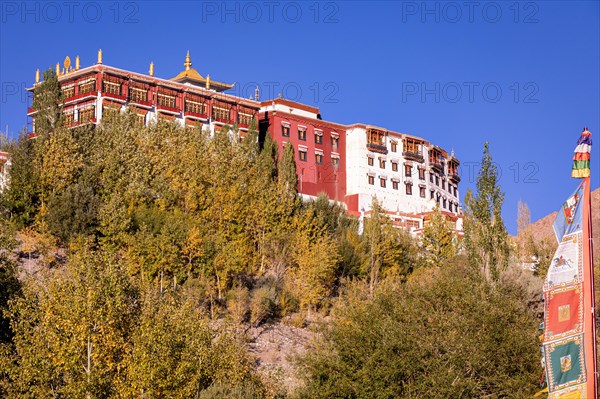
{"points": [[543, 227]]}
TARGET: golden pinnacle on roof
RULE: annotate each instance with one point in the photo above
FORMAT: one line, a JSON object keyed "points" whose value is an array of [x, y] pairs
{"points": [[151, 71], [188, 61], [100, 56], [67, 64], [77, 63], [207, 82], [37, 76], [57, 69]]}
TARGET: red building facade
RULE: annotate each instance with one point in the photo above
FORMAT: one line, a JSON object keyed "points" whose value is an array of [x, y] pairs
{"points": [[319, 146]]}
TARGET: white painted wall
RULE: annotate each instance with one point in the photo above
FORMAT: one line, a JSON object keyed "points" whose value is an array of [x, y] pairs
{"points": [[358, 169]]}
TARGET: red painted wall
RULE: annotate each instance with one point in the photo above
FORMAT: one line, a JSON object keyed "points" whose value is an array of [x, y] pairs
{"points": [[312, 177]]}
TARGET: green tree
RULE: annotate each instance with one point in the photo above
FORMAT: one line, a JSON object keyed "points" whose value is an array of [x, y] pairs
{"points": [[177, 353], [72, 330], [446, 333], [22, 198], [48, 102], [439, 241], [486, 240]]}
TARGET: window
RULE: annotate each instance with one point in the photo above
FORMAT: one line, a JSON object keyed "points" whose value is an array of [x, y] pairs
{"points": [[394, 166], [318, 158], [165, 100], [450, 206], [382, 163], [335, 141], [335, 162], [370, 161], [136, 94], [394, 184], [371, 180], [302, 154], [220, 114], [318, 137], [68, 91], [285, 130], [443, 184], [111, 87], [432, 196], [430, 178], [195, 107], [140, 119], [69, 118], [421, 174], [407, 170], [302, 134], [444, 203], [437, 180], [394, 146], [412, 146], [408, 189], [87, 86], [455, 192], [245, 118], [382, 182], [85, 115], [422, 192]]}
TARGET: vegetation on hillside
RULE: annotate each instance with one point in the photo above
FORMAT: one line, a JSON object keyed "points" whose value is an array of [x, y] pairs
{"points": [[173, 239]]}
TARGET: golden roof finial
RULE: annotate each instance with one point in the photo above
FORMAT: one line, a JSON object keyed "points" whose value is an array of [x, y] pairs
{"points": [[77, 63], [151, 72], [256, 94], [67, 64], [57, 69], [188, 61], [100, 56], [207, 82], [37, 76]]}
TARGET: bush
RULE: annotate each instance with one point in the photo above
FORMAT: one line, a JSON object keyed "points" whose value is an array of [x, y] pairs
{"points": [[445, 334]]}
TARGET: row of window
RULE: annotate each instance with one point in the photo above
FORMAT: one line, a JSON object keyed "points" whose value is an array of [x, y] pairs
{"points": [[436, 180], [318, 136], [303, 156], [408, 169], [443, 202]]}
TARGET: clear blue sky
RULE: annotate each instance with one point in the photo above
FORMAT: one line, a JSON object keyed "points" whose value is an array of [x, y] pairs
{"points": [[524, 76]]}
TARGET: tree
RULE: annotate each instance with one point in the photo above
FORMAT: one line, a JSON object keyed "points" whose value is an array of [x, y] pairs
{"points": [[389, 251], [446, 333], [22, 198], [177, 354], [439, 241], [48, 102], [288, 179], [486, 240], [72, 330]]}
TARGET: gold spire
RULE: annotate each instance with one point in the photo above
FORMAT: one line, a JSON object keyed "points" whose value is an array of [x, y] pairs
{"points": [[67, 64], [207, 82], [57, 69], [100, 56], [188, 61], [77, 63], [37, 76], [151, 72]]}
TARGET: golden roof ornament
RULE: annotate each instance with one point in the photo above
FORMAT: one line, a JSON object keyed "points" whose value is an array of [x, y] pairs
{"points": [[57, 69], [77, 63], [67, 64], [188, 61], [207, 82], [37, 76], [100, 56], [151, 71]]}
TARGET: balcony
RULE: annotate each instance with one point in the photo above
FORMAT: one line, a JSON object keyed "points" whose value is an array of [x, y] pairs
{"points": [[454, 177], [114, 96], [413, 156], [437, 167], [377, 148], [166, 108], [80, 96], [143, 103]]}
